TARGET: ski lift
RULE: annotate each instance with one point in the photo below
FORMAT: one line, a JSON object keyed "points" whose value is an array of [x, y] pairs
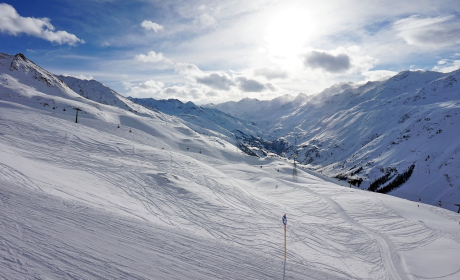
{"points": [[76, 116]]}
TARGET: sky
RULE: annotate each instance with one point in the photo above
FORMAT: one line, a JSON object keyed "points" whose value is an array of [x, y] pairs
{"points": [[217, 51]]}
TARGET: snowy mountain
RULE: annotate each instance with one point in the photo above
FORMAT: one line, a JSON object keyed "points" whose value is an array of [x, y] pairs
{"points": [[203, 120], [100, 93], [372, 121], [18, 67], [266, 114], [376, 131], [153, 199]]}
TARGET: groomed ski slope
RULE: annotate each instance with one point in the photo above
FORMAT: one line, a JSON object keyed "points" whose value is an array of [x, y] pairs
{"points": [[93, 201]]}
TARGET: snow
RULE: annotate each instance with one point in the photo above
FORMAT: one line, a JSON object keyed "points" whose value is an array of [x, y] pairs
{"points": [[359, 131], [203, 120], [89, 200]]}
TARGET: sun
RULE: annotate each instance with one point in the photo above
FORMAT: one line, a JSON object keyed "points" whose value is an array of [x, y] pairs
{"points": [[288, 31]]}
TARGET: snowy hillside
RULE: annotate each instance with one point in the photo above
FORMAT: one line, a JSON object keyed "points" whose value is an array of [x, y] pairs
{"points": [[377, 130], [100, 93], [266, 114], [153, 199], [204, 120]]}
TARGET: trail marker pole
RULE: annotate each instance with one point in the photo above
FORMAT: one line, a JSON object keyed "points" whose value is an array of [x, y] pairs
{"points": [[284, 222]]}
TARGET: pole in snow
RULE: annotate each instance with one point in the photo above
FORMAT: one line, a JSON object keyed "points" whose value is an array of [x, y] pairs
{"points": [[284, 222], [294, 171], [76, 116]]}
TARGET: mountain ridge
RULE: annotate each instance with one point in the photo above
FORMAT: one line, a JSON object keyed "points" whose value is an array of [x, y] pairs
{"points": [[348, 131], [360, 131]]}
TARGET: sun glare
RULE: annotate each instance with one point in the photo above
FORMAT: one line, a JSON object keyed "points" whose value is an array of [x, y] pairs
{"points": [[287, 32]]}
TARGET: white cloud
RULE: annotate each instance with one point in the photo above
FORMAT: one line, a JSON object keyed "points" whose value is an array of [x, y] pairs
{"points": [[146, 89], [378, 75], [442, 61], [271, 74], [153, 57], [215, 80], [363, 63], [147, 24], [157, 90], [188, 69], [205, 20], [11, 22], [429, 31], [447, 65]]}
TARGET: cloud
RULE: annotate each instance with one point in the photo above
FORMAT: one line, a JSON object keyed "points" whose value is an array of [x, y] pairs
{"points": [[186, 69], [157, 90], [11, 22], [362, 63], [220, 81], [378, 75], [429, 31], [205, 20], [145, 89], [212, 94], [147, 24], [153, 57], [328, 62], [249, 85], [271, 74], [447, 65], [182, 92], [270, 87]]}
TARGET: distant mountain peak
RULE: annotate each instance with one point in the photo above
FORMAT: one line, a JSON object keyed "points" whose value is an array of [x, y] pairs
{"points": [[21, 66]]}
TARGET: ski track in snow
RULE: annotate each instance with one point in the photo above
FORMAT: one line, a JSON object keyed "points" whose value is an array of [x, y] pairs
{"points": [[68, 240], [388, 251], [135, 206]]}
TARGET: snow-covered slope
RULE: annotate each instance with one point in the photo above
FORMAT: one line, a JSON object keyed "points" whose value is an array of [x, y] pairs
{"points": [[89, 200], [379, 130], [23, 71], [268, 115], [96, 91], [203, 120]]}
